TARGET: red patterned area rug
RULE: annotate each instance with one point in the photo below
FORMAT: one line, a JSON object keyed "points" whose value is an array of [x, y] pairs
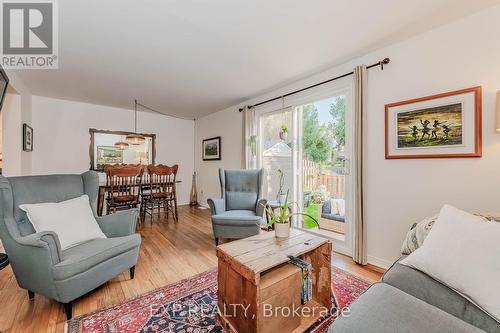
{"points": [[190, 306]]}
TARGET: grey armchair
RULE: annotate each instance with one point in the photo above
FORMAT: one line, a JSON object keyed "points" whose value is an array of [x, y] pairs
{"points": [[239, 213], [39, 264]]}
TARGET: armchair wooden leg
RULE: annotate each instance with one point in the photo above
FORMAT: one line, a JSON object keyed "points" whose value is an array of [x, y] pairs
{"points": [[68, 309], [132, 272], [31, 294]]}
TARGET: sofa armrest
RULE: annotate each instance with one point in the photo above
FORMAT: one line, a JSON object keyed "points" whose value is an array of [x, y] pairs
{"points": [[41, 245], [217, 206], [261, 206], [119, 224]]}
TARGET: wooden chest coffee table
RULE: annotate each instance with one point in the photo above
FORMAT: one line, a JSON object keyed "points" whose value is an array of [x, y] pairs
{"points": [[257, 284]]}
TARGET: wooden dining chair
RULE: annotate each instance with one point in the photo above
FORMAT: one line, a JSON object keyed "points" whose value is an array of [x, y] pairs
{"points": [[161, 192], [124, 184]]}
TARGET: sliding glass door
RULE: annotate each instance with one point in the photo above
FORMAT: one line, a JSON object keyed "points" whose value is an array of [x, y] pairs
{"points": [[323, 164], [276, 153], [313, 157]]}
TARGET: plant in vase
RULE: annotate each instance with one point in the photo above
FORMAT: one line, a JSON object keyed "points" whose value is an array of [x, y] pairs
{"points": [[280, 197], [316, 200], [282, 219], [284, 132]]}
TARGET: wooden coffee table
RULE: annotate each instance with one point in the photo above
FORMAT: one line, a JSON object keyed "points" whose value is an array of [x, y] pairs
{"points": [[254, 275]]}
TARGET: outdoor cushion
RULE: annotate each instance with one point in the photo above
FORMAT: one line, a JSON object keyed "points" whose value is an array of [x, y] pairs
{"points": [[338, 206], [236, 217], [327, 207], [422, 286], [383, 308], [334, 217], [84, 256]]}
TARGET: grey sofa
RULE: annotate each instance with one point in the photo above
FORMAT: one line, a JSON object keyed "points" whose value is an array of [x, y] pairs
{"points": [[38, 263], [407, 300], [239, 211]]}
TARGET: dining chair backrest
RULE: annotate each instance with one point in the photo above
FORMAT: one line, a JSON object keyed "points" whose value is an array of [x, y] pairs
{"points": [[162, 178], [124, 180]]}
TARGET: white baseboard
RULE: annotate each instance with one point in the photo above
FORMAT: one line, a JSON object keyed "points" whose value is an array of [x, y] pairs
{"points": [[342, 250], [382, 263]]}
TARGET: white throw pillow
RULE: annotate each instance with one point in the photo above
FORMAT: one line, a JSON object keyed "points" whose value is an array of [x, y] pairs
{"points": [[338, 206], [462, 251], [341, 207], [72, 220], [334, 206]]}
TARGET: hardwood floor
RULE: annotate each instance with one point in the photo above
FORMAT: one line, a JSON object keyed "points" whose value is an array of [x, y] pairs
{"points": [[169, 252]]}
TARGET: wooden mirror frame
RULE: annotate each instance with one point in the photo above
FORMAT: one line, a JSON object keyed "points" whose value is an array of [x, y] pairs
{"points": [[93, 131]]}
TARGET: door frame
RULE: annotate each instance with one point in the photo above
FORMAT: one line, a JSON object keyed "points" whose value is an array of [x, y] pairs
{"points": [[339, 87], [345, 246]]}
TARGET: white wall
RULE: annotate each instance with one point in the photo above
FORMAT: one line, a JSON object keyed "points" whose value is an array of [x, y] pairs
{"points": [[459, 55], [229, 126], [12, 134], [16, 110], [61, 137]]}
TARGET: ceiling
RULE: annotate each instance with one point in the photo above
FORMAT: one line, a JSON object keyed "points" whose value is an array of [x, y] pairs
{"points": [[194, 57]]}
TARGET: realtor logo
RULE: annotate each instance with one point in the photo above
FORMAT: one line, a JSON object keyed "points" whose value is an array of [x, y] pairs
{"points": [[29, 34]]}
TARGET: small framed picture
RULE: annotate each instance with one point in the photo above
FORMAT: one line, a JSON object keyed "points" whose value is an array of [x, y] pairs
{"points": [[211, 149], [440, 126], [27, 138]]}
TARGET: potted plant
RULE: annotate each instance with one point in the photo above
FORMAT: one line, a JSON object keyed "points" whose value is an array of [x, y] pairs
{"points": [[316, 200], [282, 219], [284, 132], [281, 194]]}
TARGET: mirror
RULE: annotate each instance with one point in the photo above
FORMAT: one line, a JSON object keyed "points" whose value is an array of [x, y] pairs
{"points": [[103, 151]]}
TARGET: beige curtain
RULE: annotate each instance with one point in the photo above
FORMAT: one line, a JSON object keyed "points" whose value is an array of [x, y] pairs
{"points": [[250, 138], [359, 244]]}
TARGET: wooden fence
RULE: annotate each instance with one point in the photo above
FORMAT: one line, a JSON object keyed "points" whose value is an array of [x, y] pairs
{"points": [[314, 176]]}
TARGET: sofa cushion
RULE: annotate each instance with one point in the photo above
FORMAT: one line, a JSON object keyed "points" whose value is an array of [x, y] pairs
{"points": [[383, 308], [419, 231], [427, 289], [84, 256], [457, 239], [237, 217], [417, 234]]}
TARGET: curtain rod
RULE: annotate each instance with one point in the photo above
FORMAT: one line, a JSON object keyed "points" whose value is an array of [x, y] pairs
{"points": [[380, 63]]}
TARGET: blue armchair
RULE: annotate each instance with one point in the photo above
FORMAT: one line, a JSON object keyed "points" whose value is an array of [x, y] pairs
{"points": [[39, 264], [239, 213]]}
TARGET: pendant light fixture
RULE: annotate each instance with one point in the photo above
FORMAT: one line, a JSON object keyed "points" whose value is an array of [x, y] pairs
{"points": [[134, 138], [122, 145]]}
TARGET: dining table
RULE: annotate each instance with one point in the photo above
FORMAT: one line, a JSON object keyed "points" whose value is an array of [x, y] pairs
{"points": [[105, 187]]}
